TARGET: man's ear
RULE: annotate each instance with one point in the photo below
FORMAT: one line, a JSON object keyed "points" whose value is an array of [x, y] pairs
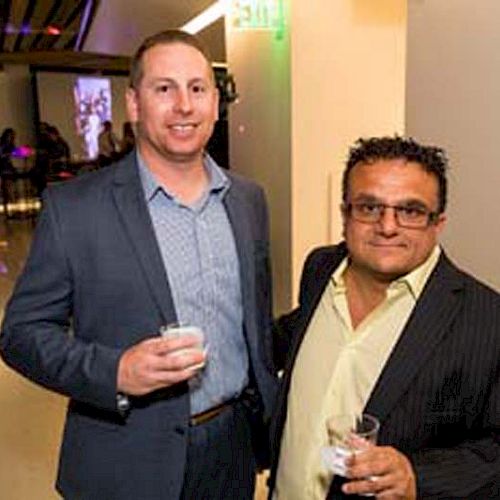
{"points": [[131, 100], [343, 215], [217, 99], [343, 212], [440, 223]]}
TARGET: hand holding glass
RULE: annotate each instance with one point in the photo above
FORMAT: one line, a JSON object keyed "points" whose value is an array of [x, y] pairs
{"points": [[347, 435], [178, 330]]}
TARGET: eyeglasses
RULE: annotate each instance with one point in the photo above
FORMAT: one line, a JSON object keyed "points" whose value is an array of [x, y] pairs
{"points": [[408, 216]]}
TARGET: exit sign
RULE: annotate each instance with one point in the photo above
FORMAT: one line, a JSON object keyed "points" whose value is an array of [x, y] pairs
{"points": [[257, 14]]}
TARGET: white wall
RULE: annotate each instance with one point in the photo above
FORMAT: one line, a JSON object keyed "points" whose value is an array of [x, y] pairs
{"points": [[453, 100], [348, 79], [260, 136], [339, 73]]}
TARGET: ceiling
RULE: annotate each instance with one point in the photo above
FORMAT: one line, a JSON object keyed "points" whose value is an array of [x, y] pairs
{"points": [[31, 25], [92, 34]]}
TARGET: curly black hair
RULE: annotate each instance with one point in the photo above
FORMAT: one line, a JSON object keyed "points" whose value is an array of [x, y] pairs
{"points": [[431, 158]]}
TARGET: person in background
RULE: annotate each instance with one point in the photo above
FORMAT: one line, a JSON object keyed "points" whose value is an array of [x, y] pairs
{"points": [[108, 144], [8, 172], [7, 147], [7, 141], [162, 236], [57, 148], [41, 169], [91, 129], [53, 157], [387, 325]]}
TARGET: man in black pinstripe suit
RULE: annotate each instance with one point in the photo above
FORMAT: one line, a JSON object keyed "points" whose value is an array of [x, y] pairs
{"points": [[387, 325]]}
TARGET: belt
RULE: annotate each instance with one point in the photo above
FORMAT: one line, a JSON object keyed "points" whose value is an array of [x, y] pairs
{"points": [[211, 413]]}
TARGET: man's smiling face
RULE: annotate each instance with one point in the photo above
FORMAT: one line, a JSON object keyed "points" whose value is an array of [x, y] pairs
{"points": [[175, 104], [384, 250]]}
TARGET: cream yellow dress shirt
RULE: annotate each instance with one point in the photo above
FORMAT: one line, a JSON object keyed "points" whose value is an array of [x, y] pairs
{"points": [[335, 372]]}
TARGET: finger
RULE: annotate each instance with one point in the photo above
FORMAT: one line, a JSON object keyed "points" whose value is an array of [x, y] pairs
{"points": [[366, 486], [159, 344], [182, 359], [170, 378], [366, 464], [151, 368], [397, 486], [166, 345], [158, 379], [143, 369], [382, 484], [391, 494]]}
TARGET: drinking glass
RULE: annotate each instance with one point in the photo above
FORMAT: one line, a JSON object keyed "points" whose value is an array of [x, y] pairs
{"points": [[348, 435], [178, 330]]}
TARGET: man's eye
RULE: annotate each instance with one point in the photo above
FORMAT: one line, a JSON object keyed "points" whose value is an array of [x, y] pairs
{"points": [[198, 89], [412, 212], [162, 89], [368, 208]]}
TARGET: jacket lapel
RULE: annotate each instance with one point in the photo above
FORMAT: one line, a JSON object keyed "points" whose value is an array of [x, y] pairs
{"points": [[425, 329], [325, 267], [238, 212], [131, 205]]}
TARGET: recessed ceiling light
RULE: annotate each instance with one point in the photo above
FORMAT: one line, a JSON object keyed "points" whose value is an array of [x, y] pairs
{"points": [[207, 17]]}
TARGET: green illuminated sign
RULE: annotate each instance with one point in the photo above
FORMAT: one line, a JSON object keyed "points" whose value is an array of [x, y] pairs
{"points": [[258, 14]]}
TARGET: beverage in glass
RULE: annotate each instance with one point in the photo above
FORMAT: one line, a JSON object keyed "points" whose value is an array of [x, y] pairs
{"points": [[347, 435]]}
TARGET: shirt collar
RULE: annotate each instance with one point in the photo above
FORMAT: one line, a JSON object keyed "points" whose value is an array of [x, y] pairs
{"points": [[219, 182], [338, 274], [415, 280]]}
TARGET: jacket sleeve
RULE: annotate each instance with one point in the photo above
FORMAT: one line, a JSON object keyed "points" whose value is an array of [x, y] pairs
{"points": [[469, 470], [37, 338]]}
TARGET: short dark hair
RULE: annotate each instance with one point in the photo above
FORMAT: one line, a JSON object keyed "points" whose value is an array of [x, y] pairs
{"points": [[166, 37], [431, 158]]}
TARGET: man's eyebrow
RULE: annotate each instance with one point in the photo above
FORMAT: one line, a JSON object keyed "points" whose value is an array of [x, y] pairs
{"points": [[200, 79], [161, 79], [367, 197], [412, 202], [405, 202], [168, 79]]}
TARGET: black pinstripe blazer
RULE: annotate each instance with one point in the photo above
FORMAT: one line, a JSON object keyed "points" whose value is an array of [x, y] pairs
{"points": [[438, 396]]}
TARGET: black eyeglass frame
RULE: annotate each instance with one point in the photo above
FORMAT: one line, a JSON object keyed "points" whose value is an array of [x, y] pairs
{"points": [[431, 217]]}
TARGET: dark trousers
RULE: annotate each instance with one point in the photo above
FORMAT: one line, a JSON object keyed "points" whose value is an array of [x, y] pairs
{"points": [[220, 462]]}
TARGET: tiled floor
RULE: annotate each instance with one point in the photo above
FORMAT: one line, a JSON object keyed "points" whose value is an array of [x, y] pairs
{"points": [[31, 418]]}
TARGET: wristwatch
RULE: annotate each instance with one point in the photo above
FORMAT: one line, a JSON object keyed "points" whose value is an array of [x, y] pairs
{"points": [[122, 403]]}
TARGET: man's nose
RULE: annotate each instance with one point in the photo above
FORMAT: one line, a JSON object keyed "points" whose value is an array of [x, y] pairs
{"points": [[388, 222], [183, 103]]}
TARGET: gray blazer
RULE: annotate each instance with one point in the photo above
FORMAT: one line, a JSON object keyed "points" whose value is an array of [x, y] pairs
{"points": [[94, 284]]}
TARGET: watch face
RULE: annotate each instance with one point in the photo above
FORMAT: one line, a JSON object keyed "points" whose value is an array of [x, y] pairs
{"points": [[122, 403]]}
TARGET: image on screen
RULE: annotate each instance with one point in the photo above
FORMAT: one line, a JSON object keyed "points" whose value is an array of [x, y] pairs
{"points": [[93, 107]]}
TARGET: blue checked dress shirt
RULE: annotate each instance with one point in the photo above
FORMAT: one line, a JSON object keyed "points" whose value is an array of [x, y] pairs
{"points": [[199, 253]]}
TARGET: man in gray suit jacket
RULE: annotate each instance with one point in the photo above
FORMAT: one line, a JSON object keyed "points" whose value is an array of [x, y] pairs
{"points": [[163, 236], [387, 325]]}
